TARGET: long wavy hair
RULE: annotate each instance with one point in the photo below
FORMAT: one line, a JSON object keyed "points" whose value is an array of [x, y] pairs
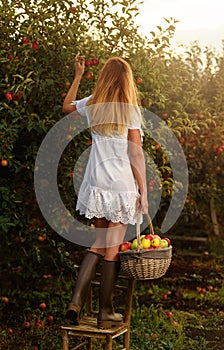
{"points": [[114, 101]]}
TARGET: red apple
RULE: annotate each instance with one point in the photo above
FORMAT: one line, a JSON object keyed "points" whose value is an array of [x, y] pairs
{"points": [[165, 296], [39, 324], [150, 237], [220, 150], [169, 314], [27, 324], [89, 75], [25, 40], [15, 97], [138, 80], [165, 115], [89, 62], [50, 318], [19, 95], [72, 9], [35, 45], [125, 246], [8, 96], [95, 61], [42, 306]]}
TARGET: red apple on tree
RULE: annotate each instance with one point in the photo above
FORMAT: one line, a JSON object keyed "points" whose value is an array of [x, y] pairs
{"points": [[72, 9], [88, 63], [89, 75], [50, 318], [25, 40], [95, 61], [35, 45], [165, 115], [42, 306], [138, 80], [8, 96], [39, 324], [27, 324]]}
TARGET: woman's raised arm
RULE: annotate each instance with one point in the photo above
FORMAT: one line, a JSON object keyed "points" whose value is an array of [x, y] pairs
{"points": [[72, 92]]}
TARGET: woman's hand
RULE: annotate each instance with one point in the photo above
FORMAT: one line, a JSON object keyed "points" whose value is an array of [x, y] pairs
{"points": [[79, 65]]}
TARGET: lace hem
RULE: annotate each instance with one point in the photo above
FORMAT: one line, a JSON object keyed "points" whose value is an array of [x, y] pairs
{"points": [[114, 206]]}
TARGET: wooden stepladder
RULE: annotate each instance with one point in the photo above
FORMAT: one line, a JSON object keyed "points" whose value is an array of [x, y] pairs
{"points": [[87, 332]]}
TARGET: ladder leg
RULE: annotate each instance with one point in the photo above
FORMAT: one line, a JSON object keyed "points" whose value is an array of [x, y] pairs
{"points": [[65, 340], [109, 342]]}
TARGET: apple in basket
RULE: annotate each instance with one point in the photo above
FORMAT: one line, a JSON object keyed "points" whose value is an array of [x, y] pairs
{"points": [[134, 245], [150, 237], [168, 241], [156, 241], [164, 243], [146, 243], [125, 246]]}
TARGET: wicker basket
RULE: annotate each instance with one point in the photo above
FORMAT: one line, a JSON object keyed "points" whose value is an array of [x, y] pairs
{"points": [[146, 264]]}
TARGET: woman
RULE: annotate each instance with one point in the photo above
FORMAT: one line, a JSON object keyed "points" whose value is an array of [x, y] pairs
{"points": [[114, 190]]}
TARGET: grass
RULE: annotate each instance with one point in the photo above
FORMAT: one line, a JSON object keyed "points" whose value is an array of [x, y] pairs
{"points": [[184, 310]]}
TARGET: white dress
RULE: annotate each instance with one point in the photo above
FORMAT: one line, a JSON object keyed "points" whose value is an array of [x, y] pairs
{"points": [[108, 188]]}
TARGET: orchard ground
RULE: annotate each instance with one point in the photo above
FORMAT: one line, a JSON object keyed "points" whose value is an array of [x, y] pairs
{"points": [[182, 310]]}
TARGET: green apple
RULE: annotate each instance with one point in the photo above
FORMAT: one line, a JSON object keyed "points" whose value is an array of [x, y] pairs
{"points": [[168, 241], [134, 245], [164, 243]]}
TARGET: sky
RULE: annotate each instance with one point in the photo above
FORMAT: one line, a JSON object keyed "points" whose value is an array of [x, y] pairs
{"points": [[201, 20]]}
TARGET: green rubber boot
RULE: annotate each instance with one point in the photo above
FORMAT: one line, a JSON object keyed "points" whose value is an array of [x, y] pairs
{"points": [[107, 318], [86, 273]]}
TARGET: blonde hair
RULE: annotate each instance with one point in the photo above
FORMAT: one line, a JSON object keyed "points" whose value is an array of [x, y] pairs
{"points": [[114, 99]]}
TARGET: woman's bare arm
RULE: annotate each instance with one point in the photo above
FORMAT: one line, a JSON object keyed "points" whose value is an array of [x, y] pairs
{"points": [[137, 161], [72, 92]]}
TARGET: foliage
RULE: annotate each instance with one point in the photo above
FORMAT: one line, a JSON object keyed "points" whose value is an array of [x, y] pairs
{"points": [[38, 42]]}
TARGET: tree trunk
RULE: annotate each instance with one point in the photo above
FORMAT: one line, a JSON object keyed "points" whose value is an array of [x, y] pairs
{"points": [[214, 217]]}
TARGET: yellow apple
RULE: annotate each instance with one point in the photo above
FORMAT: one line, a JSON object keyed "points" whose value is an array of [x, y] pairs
{"points": [[146, 243], [155, 242]]}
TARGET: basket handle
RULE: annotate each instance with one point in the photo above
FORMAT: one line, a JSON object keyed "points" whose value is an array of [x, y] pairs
{"points": [[138, 229]]}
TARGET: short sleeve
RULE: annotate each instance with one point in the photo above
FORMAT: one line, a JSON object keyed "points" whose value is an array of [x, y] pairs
{"points": [[81, 106], [136, 124]]}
